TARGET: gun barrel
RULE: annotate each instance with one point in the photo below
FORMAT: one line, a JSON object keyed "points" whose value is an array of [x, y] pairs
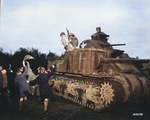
{"points": [[115, 45], [114, 60]]}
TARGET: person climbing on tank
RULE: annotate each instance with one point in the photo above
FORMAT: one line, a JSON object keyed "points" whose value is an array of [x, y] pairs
{"points": [[65, 42], [69, 41], [99, 35], [45, 88]]}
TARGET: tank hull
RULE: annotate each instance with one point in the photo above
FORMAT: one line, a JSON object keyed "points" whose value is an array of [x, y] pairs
{"points": [[92, 78]]}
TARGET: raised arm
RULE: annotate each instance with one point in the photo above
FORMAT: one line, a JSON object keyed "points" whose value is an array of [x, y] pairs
{"points": [[52, 70]]}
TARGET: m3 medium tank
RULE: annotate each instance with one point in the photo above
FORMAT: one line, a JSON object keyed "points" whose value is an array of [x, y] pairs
{"points": [[97, 76]]}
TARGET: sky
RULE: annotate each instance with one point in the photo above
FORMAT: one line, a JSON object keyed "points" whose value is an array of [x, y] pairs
{"points": [[38, 24]]}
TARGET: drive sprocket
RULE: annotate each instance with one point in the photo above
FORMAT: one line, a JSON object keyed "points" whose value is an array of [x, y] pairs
{"points": [[106, 93]]}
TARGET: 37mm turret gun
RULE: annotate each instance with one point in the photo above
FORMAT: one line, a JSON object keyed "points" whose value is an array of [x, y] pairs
{"points": [[114, 45]]}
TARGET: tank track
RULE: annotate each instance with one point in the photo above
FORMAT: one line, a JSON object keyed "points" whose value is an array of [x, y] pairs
{"points": [[98, 94]]}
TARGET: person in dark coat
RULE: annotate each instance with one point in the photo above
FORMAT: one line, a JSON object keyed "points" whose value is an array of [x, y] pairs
{"points": [[11, 83], [45, 88]]}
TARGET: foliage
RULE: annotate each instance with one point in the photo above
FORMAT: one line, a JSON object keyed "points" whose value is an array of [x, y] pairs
{"points": [[40, 59], [1, 49], [51, 56]]}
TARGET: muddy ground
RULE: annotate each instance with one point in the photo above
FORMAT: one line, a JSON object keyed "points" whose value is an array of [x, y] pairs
{"points": [[63, 109]]}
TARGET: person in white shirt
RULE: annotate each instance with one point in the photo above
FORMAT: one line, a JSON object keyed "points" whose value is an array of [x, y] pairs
{"points": [[66, 42]]}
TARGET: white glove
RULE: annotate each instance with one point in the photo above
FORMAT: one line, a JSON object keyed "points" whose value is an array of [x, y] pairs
{"points": [[53, 66], [28, 81]]}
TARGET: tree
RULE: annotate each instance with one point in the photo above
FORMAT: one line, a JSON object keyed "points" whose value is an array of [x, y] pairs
{"points": [[1, 49], [40, 59], [51, 56], [4, 59]]}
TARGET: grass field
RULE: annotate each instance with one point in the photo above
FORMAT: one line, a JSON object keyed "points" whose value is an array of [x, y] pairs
{"points": [[62, 109]]}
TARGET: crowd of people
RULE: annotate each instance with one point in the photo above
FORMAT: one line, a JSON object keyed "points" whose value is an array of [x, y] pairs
{"points": [[16, 83]]}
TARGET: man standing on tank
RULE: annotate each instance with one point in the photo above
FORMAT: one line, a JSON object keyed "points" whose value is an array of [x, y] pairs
{"points": [[99, 35]]}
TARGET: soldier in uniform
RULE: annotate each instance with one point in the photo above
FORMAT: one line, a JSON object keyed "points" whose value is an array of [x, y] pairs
{"points": [[99, 35]]}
